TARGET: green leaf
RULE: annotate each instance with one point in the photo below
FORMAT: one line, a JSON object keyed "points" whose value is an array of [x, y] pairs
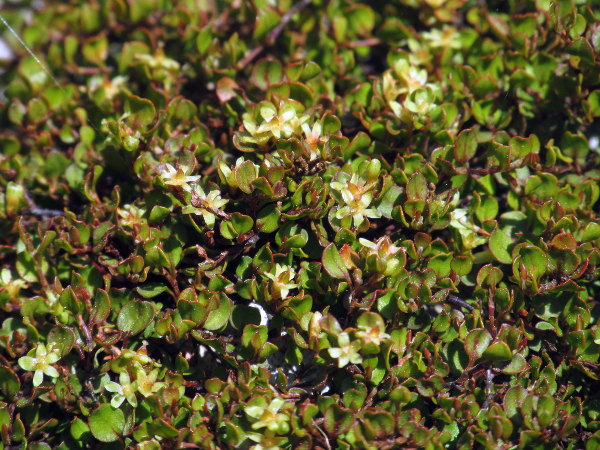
{"points": [[158, 213], [500, 246], [535, 260], [476, 342], [9, 384], [100, 307], [80, 430], [462, 264], [245, 174], [255, 336], [62, 338], [591, 232], [267, 219], [155, 257], [266, 21], [69, 300], [465, 146], [498, 351], [416, 188], [135, 316], [338, 420], [107, 423], [204, 40], [139, 112], [95, 50], [514, 398], [333, 263], [516, 365], [594, 102], [219, 317], [582, 49], [242, 315], [149, 290], [267, 72]]}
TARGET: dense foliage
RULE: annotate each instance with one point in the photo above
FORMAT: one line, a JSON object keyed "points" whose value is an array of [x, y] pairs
{"points": [[314, 224]]}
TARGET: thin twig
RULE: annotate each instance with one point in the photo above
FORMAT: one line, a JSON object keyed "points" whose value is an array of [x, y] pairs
{"points": [[274, 34], [488, 386], [455, 301], [365, 43]]}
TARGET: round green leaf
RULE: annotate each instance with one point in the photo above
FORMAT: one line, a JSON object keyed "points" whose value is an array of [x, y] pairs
{"points": [[476, 342], [107, 423], [516, 365], [219, 317], [150, 290], [333, 263], [62, 338], [466, 145], [591, 232], [139, 111], [267, 220], [500, 244], [135, 316], [245, 174], [9, 383], [498, 351], [535, 260], [243, 315]]}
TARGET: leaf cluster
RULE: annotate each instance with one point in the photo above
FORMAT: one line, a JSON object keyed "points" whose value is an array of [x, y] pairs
{"points": [[325, 224]]}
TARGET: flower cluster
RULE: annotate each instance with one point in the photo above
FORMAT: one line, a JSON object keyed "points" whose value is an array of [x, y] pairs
{"points": [[382, 256], [347, 352], [270, 121], [282, 281], [356, 194], [208, 203], [197, 200], [177, 177]]}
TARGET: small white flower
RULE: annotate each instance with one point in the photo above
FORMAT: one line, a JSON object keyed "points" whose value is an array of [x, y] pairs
{"points": [[347, 352], [269, 416], [125, 389], [41, 363], [447, 37], [176, 177], [212, 201], [386, 253], [131, 215], [9, 284], [272, 121], [147, 384], [282, 280], [372, 334], [313, 138], [357, 195], [461, 221]]}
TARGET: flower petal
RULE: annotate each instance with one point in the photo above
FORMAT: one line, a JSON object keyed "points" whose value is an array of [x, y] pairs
{"points": [[27, 362], [51, 371], [38, 377]]}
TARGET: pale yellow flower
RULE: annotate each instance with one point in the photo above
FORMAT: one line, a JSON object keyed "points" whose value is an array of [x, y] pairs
{"points": [[282, 280], [176, 177], [147, 384], [41, 363], [125, 389], [347, 352], [211, 201], [357, 195], [269, 416]]}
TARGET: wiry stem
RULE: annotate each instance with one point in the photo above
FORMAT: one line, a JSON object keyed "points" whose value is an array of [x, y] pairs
{"points": [[274, 34]]}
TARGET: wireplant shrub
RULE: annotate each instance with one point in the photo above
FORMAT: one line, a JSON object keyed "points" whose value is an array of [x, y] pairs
{"points": [[312, 224]]}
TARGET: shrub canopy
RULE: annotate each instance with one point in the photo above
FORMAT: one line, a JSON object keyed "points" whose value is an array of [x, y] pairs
{"points": [[312, 224]]}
